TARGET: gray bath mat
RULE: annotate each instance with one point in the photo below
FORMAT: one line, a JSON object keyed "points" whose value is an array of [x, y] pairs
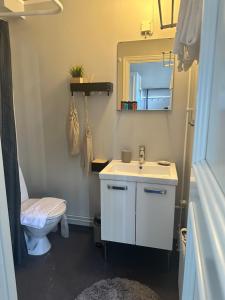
{"points": [[118, 289]]}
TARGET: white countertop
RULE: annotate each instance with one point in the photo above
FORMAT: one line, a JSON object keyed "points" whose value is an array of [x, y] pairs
{"points": [[151, 172]]}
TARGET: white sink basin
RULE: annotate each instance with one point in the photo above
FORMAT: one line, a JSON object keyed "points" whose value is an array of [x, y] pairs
{"points": [[151, 172]]}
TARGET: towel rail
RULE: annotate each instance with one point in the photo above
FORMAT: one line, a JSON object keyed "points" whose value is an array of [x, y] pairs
{"points": [[53, 11], [172, 24]]}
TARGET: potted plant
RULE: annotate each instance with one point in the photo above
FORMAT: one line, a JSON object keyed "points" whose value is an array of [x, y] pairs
{"points": [[77, 73]]}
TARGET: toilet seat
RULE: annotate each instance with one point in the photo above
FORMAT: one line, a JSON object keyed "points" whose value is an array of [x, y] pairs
{"points": [[55, 213]]}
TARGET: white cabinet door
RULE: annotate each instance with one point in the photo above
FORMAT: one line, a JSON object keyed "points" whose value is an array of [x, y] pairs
{"points": [[118, 211], [155, 215]]}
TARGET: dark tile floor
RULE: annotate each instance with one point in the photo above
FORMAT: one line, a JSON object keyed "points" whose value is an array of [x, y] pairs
{"points": [[74, 264]]}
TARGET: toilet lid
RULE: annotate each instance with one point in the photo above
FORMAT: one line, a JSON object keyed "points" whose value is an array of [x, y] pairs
{"points": [[58, 211]]}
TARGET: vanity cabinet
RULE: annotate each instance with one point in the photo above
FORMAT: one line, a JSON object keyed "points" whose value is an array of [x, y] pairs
{"points": [[138, 213]]}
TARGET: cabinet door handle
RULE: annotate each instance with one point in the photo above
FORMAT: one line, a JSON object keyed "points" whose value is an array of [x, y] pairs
{"points": [[159, 192], [119, 188]]}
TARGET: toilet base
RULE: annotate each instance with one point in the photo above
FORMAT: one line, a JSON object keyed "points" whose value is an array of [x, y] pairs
{"points": [[37, 246]]}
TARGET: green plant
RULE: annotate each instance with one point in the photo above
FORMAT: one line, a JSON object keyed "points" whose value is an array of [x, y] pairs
{"points": [[77, 71]]}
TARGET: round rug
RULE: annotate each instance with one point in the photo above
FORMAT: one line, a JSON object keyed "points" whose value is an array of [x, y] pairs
{"points": [[118, 289]]}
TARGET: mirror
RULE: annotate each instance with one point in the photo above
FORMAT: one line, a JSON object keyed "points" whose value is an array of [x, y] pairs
{"points": [[145, 75]]}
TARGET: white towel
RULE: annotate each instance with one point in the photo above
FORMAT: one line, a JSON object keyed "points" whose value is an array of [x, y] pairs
{"points": [[87, 156], [35, 213], [73, 129], [87, 151], [187, 40]]}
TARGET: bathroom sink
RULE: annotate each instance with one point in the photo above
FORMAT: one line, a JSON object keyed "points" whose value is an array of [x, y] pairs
{"points": [[151, 172]]}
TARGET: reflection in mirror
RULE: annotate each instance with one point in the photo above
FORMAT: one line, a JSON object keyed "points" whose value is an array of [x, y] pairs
{"points": [[145, 75], [151, 85]]}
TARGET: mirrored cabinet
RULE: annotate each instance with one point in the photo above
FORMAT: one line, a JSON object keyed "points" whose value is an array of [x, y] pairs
{"points": [[145, 75]]}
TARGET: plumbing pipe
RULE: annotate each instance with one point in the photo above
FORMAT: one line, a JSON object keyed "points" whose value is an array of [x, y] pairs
{"points": [[188, 110]]}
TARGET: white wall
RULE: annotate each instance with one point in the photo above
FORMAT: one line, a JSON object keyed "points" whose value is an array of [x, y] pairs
{"points": [[43, 50]]}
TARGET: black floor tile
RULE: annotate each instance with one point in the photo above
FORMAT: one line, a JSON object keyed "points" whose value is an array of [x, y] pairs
{"points": [[74, 264]]}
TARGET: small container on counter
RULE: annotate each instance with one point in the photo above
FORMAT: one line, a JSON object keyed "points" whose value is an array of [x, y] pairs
{"points": [[122, 105], [126, 156], [129, 105], [134, 105]]}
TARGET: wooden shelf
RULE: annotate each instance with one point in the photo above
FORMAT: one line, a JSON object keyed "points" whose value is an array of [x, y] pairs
{"points": [[87, 88]]}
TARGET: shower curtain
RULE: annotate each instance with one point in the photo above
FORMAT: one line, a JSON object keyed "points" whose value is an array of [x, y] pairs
{"points": [[9, 147]]}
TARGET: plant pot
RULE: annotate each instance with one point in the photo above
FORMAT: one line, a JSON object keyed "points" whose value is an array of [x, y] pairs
{"points": [[77, 80]]}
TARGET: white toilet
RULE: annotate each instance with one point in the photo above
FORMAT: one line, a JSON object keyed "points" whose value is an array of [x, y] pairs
{"points": [[36, 239]]}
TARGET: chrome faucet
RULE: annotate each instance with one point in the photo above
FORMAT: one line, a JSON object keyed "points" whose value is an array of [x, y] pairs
{"points": [[141, 156]]}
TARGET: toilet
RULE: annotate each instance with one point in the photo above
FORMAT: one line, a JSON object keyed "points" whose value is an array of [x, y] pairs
{"points": [[36, 238]]}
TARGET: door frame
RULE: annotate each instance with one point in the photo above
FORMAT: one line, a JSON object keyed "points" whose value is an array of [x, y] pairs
{"points": [[208, 203], [7, 273]]}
